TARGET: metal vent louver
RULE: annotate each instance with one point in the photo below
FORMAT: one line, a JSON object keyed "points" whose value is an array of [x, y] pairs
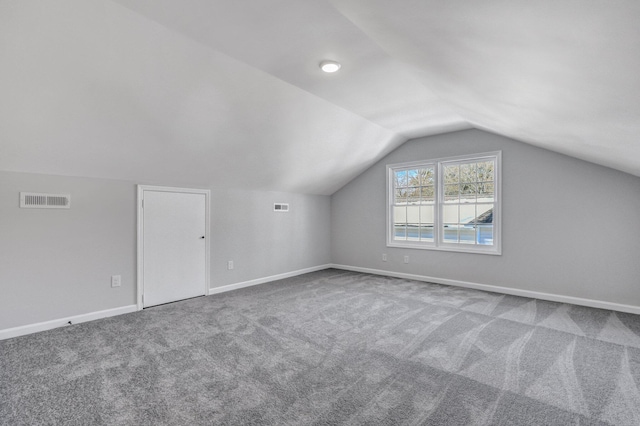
{"points": [[34, 200], [281, 207]]}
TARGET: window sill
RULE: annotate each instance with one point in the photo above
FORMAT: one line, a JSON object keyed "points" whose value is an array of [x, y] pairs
{"points": [[491, 251]]}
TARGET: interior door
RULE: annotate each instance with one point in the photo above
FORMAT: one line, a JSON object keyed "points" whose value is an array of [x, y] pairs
{"points": [[174, 246]]}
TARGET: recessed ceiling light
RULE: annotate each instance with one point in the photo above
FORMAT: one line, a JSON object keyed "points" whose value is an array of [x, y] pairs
{"points": [[330, 66]]}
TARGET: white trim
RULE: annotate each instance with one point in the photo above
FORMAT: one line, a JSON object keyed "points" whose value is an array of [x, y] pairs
{"points": [[8, 333], [140, 235], [467, 249], [497, 289], [139, 247], [230, 287]]}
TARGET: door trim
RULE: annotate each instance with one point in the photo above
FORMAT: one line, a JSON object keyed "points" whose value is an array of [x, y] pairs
{"points": [[140, 239]]}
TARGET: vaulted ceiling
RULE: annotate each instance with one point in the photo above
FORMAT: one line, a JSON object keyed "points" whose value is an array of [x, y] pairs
{"points": [[229, 93]]}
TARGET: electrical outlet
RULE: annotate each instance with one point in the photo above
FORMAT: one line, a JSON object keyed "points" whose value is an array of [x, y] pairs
{"points": [[116, 280], [230, 265], [406, 259], [384, 257]]}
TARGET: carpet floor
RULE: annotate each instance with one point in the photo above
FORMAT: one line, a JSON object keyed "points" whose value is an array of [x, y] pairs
{"points": [[332, 347]]}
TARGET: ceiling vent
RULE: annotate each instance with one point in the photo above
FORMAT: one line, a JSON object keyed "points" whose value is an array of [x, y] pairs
{"points": [[281, 207], [33, 200]]}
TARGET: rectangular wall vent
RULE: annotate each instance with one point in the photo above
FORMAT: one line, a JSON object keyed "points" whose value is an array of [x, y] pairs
{"points": [[281, 207], [33, 200]]}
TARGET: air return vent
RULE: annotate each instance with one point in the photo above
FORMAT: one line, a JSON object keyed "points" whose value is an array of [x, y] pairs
{"points": [[33, 200], [281, 207]]}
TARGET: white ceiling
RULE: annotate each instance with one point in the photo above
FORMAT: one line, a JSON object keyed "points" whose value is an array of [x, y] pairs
{"points": [[229, 92]]}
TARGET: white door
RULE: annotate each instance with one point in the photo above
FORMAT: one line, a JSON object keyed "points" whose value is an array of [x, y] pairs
{"points": [[173, 246]]}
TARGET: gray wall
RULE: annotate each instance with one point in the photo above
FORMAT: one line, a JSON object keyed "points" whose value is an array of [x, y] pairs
{"points": [[58, 263], [569, 227], [262, 242]]}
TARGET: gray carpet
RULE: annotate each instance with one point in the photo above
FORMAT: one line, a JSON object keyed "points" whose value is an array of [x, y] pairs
{"points": [[332, 347]]}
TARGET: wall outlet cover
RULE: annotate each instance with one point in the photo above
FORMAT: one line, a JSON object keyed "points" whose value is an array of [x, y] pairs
{"points": [[116, 280]]}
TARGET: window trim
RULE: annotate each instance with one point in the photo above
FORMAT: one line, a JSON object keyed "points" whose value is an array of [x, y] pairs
{"points": [[438, 244]]}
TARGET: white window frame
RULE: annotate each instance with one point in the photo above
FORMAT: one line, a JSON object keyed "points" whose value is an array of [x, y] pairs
{"points": [[438, 243]]}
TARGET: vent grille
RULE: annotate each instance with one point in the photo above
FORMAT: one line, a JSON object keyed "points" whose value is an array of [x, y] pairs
{"points": [[33, 200], [281, 207]]}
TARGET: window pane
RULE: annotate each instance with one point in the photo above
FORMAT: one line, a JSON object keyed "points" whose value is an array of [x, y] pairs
{"points": [[427, 194], [484, 213], [468, 172], [426, 232], [413, 195], [467, 234], [485, 192], [451, 233], [401, 196], [451, 193], [467, 192], [485, 234], [413, 223], [451, 214], [399, 232], [413, 232], [426, 176], [401, 178], [467, 214], [399, 214], [413, 179], [451, 174], [485, 171], [413, 215], [426, 214]]}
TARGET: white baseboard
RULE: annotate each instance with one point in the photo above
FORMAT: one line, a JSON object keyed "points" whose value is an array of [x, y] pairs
{"points": [[229, 287], [497, 289], [48, 325]]}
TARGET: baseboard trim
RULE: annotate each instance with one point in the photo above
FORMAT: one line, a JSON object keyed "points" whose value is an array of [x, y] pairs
{"points": [[8, 333], [61, 322], [497, 289], [230, 287]]}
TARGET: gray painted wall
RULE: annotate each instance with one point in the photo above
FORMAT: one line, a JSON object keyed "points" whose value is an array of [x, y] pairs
{"points": [[58, 263], [569, 227], [262, 242]]}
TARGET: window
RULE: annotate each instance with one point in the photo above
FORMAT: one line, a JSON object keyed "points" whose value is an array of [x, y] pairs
{"points": [[446, 204]]}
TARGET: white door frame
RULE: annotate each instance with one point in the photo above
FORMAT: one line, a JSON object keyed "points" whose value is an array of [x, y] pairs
{"points": [[140, 242]]}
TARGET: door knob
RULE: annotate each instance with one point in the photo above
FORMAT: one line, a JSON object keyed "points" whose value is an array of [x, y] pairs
{"points": [[202, 238]]}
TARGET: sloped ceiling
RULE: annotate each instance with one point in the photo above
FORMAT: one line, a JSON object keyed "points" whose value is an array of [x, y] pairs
{"points": [[229, 93]]}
